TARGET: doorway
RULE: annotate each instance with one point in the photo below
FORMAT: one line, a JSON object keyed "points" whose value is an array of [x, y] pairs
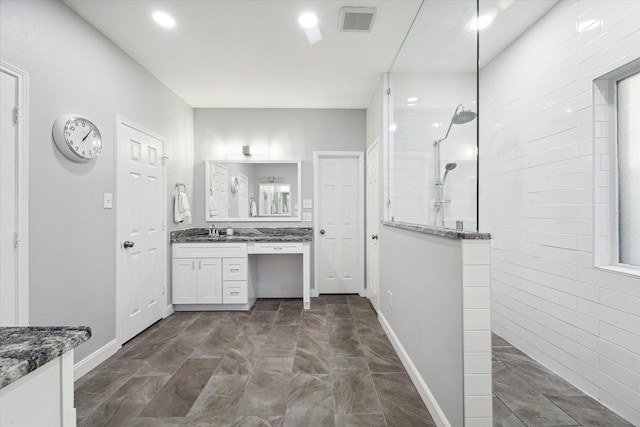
{"points": [[14, 240], [141, 230], [339, 222]]}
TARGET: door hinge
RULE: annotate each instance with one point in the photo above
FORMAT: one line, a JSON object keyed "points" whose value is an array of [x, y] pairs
{"points": [[388, 91], [164, 160], [16, 240], [16, 115], [162, 289]]}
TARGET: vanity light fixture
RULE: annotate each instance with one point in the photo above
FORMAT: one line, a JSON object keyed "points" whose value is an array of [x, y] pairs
{"points": [[164, 19]]}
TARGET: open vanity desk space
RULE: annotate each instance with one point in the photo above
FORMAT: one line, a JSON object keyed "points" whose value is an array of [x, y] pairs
{"points": [[219, 272]]}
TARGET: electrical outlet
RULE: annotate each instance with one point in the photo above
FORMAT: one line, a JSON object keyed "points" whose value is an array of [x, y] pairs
{"points": [[307, 204], [306, 216], [390, 298]]}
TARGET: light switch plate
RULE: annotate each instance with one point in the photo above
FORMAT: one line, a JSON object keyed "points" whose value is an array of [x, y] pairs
{"points": [[307, 203], [306, 216], [108, 200]]}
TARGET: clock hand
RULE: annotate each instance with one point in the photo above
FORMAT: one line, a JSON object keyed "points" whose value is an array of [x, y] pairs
{"points": [[85, 137]]}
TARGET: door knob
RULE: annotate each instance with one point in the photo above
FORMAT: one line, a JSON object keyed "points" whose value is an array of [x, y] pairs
{"points": [[128, 244], [322, 231], [374, 236]]}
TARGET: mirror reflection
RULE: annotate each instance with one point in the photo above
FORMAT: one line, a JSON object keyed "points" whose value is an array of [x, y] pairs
{"points": [[252, 190]]}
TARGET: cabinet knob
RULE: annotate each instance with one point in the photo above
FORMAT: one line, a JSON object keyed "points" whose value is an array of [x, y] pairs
{"points": [[322, 231], [128, 244], [374, 236]]}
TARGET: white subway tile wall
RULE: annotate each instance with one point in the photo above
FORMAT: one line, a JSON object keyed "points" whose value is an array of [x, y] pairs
{"points": [[476, 299], [544, 192]]}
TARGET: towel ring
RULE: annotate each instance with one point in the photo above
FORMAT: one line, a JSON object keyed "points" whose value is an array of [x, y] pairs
{"points": [[184, 187]]}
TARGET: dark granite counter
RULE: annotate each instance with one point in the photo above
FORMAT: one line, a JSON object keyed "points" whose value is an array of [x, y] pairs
{"points": [[25, 349], [439, 231], [279, 234]]}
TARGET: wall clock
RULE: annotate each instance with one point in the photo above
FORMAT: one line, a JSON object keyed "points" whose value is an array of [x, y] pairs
{"points": [[77, 138]]}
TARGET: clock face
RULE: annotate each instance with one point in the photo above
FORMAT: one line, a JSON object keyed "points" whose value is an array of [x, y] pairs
{"points": [[83, 138], [77, 138]]}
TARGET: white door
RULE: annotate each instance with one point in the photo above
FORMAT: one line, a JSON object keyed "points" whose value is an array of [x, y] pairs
{"points": [[339, 223], [243, 195], [141, 236], [14, 289], [220, 185], [373, 221]]}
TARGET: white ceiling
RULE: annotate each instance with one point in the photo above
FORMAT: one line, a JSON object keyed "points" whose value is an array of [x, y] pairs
{"points": [[253, 53]]}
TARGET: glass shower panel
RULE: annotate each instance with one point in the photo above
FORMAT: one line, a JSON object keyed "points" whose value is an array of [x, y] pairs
{"points": [[433, 139]]}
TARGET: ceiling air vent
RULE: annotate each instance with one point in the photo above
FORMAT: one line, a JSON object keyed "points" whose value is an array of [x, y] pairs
{"points": [[357, 19]]}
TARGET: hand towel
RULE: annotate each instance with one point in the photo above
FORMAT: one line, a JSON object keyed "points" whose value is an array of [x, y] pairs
{"points": [[213, 209], [253, 209], [181, 209]]}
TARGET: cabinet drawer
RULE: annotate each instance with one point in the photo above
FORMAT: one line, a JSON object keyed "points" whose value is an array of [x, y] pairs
{"points": [[209, 250], [277, 248], [234, 269], [234, 292]]}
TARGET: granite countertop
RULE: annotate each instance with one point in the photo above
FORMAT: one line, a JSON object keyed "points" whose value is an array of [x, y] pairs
{"points": [[439, 231], [276, 234], [25, 349]]}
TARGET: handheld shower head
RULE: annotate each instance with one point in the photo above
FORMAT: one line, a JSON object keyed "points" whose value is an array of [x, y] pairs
{"points": [[448, 167]]}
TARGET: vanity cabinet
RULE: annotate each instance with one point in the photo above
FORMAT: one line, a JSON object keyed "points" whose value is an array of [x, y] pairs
{"points": [[209, 273]]}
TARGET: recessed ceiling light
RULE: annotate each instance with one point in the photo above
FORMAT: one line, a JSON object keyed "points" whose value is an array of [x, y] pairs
{"points": [[164, 19], [411, 104], [481, 22], [308, 20]]}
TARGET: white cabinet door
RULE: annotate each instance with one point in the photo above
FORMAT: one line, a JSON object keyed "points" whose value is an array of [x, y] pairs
{"points": [[184, 281], [209, 280]]}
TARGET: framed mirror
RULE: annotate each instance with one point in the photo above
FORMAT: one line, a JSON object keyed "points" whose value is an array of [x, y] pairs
{"points": [[252, 190]]}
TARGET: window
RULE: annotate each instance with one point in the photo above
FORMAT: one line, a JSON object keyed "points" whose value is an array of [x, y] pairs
{"points": [[628, 169], [616, 152]]}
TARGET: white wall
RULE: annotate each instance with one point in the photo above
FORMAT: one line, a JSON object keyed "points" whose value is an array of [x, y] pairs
{"points": [[73, 68], [273, 134], [424, 275], [537, 200]]}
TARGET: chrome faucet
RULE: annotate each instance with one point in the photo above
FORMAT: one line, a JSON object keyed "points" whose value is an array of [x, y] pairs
{"points": [[213, 231]]}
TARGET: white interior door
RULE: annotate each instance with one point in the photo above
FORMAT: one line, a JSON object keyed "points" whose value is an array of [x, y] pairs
{"points": [[220, 186], [339, 223], [373, 224], [141, 236], [243, 195], [14, 290]]}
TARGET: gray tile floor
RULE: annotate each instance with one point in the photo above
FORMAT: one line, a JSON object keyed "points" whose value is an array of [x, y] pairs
{"points": [[527, 394], [277, 365]]}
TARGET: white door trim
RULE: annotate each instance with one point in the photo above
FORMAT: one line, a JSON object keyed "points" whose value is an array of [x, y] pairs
{"points": [[126, 122], [373, 147], [22, 177], [317, 155]]}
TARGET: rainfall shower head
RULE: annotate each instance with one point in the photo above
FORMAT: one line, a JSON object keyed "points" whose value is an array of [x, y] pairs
{"points": [[448, 167], [462, 117], [459, 118]]}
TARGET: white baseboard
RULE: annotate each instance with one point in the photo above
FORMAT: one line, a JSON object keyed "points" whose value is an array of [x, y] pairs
{"points": [[95, 358], [168, 311], [434, 409]]}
